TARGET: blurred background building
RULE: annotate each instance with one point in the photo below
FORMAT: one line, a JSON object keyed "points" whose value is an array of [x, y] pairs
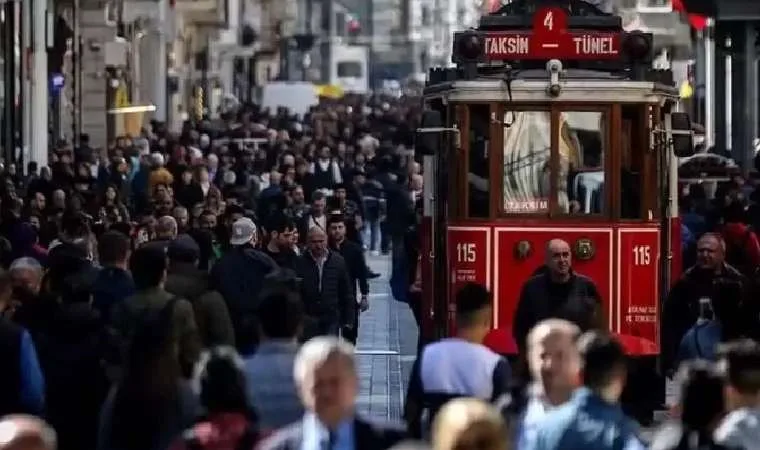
{"points": [[75, 66]]}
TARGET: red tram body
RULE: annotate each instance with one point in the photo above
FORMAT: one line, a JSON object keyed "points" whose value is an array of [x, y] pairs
{"points": [[535, 136]]}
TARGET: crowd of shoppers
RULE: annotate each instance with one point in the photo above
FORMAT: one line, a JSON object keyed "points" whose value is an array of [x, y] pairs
{"points": [[204, 289]]}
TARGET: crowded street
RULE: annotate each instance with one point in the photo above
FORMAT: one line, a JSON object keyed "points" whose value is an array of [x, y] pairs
{"points": [[380, 225]]}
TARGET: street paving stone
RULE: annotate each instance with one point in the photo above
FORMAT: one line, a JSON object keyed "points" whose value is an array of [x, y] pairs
{"points": [[385, 349]]}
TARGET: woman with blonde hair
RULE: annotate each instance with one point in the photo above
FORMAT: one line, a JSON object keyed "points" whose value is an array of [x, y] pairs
{"points": [[469, 424]]}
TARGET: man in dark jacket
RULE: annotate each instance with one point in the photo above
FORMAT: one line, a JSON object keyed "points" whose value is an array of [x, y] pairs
{"points": [[325, 288], [353, 254], [239, 277], [559, 293], [280, 244], [725, 289], [185, 280], [149, 269], [21, 380], [402, 201], [166, 231], [114, 282]]}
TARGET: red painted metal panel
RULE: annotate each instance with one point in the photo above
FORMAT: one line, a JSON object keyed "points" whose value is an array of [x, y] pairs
{"points": [[511, 272], [638, 288], [469, 250]]}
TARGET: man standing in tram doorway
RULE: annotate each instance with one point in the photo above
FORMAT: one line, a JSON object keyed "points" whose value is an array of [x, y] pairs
{"points": [[557, 292]]}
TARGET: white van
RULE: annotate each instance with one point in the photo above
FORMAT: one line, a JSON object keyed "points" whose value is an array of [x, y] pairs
{"points": [[297, 96]]}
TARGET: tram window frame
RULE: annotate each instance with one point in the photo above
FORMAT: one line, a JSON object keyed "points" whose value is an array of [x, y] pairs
{"points": [[610, 148], [466, 127], [510, 114], [635, 136], [607, 154]]}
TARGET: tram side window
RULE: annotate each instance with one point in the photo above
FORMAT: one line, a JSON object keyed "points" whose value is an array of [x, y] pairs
{"points": [[581, 148], [631, 164], [478, 175], [527, 155]]}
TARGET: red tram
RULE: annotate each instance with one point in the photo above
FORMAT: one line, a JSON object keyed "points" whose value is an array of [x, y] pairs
{"points": [[552, 124]]}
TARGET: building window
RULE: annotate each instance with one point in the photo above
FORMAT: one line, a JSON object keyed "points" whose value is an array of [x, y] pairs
{"points": [[425, 17], [349, 69], [340, 24]]}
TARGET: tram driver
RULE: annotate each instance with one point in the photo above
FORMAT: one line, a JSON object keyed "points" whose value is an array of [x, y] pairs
{"points": [[557, 292]]}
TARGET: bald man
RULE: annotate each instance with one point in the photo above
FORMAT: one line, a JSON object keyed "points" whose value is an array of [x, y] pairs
{"points": [[325, 287], [559, 293]]}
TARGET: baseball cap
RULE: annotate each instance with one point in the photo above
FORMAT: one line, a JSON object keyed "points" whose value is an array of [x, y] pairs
{"points": [[243, 230]]}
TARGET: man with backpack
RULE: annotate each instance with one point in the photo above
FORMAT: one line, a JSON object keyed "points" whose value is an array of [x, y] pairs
{"points": [[714, 283], [187, 281], [149, 271]]}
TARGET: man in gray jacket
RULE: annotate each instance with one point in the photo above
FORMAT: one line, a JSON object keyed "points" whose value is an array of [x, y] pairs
{"points": [[269, 372]]}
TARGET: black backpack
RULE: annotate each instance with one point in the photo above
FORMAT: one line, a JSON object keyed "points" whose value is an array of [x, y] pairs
{"points": [[149, 321]]}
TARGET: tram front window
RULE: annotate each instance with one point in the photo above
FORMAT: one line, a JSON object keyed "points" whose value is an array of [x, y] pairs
{"points": [[478, 175], [581, 145], [527, 155]]}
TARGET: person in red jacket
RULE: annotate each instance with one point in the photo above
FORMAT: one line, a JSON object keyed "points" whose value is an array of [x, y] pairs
{"points": [[742, 245]]}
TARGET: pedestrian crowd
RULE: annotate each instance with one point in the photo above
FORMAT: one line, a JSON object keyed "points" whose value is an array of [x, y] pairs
{"points": [[163, 285], [205, 289]]}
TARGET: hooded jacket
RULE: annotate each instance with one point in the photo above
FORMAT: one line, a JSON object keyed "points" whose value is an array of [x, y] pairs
{"points": [[211, 314]]}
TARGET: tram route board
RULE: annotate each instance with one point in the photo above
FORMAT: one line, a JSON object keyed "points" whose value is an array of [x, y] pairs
{"points": [[551, 39]]}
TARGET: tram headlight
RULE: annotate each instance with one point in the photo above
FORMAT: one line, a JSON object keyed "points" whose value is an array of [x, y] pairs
{"points": [[468, 47], [638, 46]]}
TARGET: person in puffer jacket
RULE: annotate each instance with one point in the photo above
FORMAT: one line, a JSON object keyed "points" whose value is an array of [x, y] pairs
{"points": [[740, 428], [239, 276]]}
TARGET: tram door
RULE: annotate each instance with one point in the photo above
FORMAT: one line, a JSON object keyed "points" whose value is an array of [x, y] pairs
{"points": [[439, 155]]}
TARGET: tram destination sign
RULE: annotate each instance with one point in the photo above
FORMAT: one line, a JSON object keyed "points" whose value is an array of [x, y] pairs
{"points": [[568, 46], [550, 38]]}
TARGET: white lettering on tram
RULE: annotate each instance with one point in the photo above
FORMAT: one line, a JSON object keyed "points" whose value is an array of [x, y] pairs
{"points": [[507, 45], [594, 45]]}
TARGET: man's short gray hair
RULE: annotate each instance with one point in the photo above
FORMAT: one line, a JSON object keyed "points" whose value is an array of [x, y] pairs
{"points": [[316, 352], [166, 225], [26, 263]]}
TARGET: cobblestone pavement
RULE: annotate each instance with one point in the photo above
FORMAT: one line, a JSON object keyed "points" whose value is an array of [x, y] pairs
{"points": [[385, 349]]}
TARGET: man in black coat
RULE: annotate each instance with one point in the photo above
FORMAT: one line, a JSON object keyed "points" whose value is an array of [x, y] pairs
{"points": [[727, 291], [558, 293], [325, 376], [325, 287], [354, 256]]}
